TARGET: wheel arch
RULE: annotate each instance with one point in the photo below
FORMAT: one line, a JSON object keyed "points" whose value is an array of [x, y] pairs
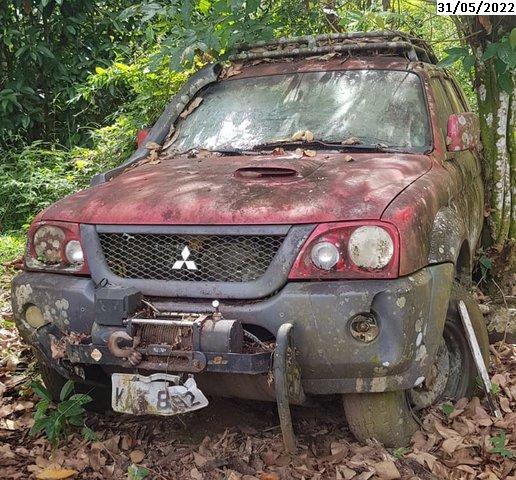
{"points": [[449, 243]]}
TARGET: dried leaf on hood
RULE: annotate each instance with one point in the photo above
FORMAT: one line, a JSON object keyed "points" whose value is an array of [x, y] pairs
{"points": [[304, 135], [348, 158], [152, 158], [191, 107], [351, 141], [231, 70], [309, 153], [153, 146], [298, 135], [278, 151]]}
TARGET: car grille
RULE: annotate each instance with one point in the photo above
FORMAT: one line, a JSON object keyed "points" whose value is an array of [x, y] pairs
{"points": [[206, 258]]}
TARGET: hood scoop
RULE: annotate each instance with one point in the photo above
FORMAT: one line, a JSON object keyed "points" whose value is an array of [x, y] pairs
{"points": [[266, 173]]}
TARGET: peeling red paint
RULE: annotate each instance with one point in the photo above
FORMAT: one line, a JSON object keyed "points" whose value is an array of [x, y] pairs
{"points": [[205, 191]]}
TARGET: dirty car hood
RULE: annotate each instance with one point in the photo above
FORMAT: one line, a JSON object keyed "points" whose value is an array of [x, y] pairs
{"points": [[207, 191]]}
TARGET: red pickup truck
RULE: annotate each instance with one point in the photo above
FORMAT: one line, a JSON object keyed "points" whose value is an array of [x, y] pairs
{"points": [[300, 222]]}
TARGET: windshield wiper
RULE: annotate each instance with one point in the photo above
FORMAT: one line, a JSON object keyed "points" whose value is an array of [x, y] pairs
{"points": [[298, 144], [321, 144], [222, 151]]}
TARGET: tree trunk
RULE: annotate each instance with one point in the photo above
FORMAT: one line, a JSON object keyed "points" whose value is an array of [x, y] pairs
{"points": [[497, 111]]}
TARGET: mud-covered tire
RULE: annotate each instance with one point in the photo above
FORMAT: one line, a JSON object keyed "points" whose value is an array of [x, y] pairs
{"points": [[388, 417], [54, 381]]}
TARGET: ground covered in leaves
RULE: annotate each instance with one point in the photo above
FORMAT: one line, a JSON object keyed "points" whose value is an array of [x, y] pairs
{"points": [[237, 440]]}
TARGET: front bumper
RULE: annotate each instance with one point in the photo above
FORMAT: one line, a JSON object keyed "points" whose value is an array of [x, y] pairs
{"points": [[410, 312]]}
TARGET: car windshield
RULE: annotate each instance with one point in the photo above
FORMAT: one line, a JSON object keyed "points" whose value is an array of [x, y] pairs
{"points": [[374, 106]]}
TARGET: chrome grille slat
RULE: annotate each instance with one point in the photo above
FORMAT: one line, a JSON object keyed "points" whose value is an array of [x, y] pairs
{"points": [[218, 258]]}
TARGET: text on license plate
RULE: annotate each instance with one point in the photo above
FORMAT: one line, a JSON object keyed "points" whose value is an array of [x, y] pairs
{"points": [[157, 394]]}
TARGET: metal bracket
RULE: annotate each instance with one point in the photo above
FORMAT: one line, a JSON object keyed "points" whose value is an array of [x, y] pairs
{"points": [[287, 382]]}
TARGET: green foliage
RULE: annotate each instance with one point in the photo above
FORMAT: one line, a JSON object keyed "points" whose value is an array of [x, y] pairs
{"points": [[502, 54], [401, 452], [447, 409], [134, 472], [46, 48], [184, 29], [498, 442], [495, 389], [11, 247], [58, 421], [41, 173], [32, 178]]}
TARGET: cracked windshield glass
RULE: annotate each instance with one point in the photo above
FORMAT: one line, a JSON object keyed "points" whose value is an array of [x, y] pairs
{"points": [[377, 107]]}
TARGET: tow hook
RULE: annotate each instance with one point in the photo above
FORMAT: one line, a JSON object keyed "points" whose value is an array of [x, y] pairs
{"points": [[130, 353]]}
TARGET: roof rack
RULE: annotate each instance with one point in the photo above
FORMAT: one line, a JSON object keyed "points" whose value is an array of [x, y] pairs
{"points": [[375, 42]]}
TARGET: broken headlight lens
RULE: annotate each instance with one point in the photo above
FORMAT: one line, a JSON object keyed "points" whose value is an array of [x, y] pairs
{"points": [[55, 247], [370, 247], [48, 244]]}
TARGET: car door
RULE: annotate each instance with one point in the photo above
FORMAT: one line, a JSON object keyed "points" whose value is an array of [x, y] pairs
{"points": [[470, 164]]}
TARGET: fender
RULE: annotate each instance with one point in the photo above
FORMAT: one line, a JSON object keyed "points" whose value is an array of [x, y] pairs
{"points": [[449, 232], [432, 220]]}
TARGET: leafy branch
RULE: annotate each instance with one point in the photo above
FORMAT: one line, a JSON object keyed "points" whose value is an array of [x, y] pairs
{"points": [[58, 421]]}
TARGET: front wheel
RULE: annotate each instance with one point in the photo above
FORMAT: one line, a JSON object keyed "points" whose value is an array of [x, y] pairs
{"points": [[390, 417]]}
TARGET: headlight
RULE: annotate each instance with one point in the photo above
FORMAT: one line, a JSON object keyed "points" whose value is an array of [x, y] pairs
{"points": [[74, 253], [370, 247], [48, 244], [325, 255], [55, 247]]}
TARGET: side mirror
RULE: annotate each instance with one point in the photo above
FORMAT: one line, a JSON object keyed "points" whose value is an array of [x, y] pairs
{"points": [[463, 132]]}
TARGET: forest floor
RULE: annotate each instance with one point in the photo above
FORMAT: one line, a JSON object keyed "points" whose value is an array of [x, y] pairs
{"points": [[237, 440]]}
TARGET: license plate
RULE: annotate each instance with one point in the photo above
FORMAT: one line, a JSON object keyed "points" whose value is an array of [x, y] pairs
{"points": [[157, 394]]}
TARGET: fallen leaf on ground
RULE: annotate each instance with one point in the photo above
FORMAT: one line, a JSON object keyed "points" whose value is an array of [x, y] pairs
{"points": [[386, 470], [56, 474], [136, 456]]}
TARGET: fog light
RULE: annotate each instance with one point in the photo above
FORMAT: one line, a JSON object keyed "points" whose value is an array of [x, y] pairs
{"points": [[364, 327], [34, 317]]}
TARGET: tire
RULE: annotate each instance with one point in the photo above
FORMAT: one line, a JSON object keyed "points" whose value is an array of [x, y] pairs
{"points": [[54, 382], [389, 417], [386, 417]]}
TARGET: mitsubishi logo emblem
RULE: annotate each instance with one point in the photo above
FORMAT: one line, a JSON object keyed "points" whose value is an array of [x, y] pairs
{"points": [[190, 264]]}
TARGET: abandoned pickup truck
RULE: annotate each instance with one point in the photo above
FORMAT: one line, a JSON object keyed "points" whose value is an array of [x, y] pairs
{"points": [[300, 222]]}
